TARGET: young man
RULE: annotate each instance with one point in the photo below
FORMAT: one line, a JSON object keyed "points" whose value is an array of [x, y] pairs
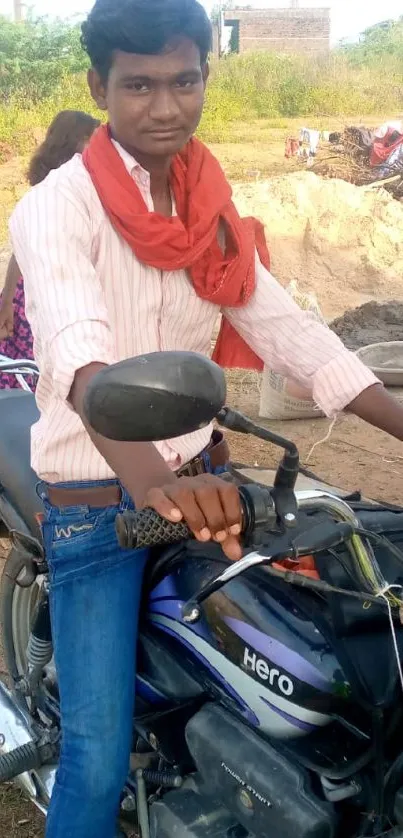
{"points": [[132, 249]]}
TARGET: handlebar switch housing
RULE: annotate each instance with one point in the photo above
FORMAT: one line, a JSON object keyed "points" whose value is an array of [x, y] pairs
{"points": [[258, 513]]}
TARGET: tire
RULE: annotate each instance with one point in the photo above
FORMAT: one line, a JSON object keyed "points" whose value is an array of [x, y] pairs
{"points": [[17, 606]]}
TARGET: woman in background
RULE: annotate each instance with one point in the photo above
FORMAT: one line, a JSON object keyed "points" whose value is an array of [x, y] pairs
{"points": [[67, 135]]}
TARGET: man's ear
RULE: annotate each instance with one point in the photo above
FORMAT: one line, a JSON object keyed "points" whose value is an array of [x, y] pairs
{"points": [[205, 72], [97, 89]]}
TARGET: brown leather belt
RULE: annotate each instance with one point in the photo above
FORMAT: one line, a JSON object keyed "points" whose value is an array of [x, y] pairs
{"points": [[217, 451], [98, 496]]}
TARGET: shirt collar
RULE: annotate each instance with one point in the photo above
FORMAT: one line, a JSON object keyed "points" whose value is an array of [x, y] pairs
{"points": [[131, 164]]}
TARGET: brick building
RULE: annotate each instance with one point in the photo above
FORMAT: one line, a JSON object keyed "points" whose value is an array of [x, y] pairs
{"points": [[289, 30]]}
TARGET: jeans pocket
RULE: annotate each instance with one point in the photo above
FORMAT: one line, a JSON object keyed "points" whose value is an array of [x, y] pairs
{"points": [[79, 544], [74, 530]]}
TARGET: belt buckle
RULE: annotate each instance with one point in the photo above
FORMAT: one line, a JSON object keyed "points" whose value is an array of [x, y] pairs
{"points": [[198, 466], [193, 469]]}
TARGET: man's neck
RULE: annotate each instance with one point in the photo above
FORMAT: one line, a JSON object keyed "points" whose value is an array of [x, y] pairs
{"points": [[159, 184], [158, 169], [161, 195]]}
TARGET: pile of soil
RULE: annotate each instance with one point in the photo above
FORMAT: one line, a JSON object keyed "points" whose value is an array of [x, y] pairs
{"points": [[370, 323], [342, 242]]}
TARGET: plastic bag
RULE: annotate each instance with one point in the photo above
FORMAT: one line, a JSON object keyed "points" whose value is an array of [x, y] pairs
{"points": [[282, 397]]}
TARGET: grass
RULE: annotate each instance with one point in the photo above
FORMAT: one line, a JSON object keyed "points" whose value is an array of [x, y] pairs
{"points": [[22, 121], [251, 150], [264, 86], [253, 101], [254, 89]]}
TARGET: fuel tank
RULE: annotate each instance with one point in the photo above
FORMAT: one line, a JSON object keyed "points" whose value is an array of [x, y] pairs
{"points": [[254, 648]]}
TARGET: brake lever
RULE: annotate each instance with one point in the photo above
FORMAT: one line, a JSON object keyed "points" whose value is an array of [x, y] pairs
{"points": [[191, 612], [315, 540]]}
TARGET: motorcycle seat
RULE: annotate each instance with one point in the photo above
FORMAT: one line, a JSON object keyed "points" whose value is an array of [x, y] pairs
{"points": [[18, 411]]}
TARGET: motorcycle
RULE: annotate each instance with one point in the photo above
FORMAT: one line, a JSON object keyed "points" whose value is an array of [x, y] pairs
{"points": [[269, 691]]}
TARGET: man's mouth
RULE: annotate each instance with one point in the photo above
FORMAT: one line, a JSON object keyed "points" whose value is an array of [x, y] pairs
{"points": [[164, 133]]}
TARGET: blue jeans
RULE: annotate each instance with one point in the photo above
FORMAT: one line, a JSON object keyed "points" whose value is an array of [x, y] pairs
{"points": [[95, 589]]}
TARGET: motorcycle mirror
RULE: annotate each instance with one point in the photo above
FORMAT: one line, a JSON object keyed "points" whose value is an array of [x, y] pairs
{"points": [[154, 397]]}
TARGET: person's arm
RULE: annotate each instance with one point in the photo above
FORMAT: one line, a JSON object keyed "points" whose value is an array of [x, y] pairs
{"points": [[294, 344], [70, 314], [150, 469], [13, 274], [210, 506], [376, 406]]}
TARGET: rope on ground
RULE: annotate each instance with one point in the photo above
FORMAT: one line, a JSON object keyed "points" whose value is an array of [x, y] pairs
{"points": [[322, 441]]}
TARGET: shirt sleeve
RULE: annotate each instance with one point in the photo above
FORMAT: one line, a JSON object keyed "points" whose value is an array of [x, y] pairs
{"points": [[52, 242], [292, 343]]}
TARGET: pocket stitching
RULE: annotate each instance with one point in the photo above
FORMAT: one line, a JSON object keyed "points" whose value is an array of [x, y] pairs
{"points": [[80, 537]]}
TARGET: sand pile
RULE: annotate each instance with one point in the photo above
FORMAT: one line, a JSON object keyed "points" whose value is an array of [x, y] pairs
{"points": [[341, 241]]}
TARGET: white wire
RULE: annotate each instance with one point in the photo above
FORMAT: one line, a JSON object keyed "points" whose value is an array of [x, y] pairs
{"points": [[321, 441], [382, 594]]}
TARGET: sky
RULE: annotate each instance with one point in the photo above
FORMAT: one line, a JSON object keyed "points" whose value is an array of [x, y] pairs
{"points": [[349, 17]]}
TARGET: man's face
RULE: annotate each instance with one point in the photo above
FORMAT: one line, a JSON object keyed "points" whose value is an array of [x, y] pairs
{"points": [[154, 102]]}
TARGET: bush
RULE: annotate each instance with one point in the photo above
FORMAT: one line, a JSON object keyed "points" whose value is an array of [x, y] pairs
{"points": [[263, 84]]}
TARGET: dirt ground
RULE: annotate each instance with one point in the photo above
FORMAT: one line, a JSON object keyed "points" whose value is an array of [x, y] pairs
{"points": [[354, 457]]}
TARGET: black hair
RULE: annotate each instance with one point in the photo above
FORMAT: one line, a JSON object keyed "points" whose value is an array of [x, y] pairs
{"points": [[66, 135], [144, 27]]}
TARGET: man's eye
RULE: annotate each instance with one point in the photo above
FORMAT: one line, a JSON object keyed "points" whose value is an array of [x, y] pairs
{"points": [[138, 86], [185, 83]]}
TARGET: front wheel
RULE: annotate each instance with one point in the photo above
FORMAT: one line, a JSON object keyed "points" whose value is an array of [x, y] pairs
{"points": [[17, 610]]}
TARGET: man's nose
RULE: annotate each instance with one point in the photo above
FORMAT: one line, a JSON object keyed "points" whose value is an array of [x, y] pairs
{"points": [[164, 106]]}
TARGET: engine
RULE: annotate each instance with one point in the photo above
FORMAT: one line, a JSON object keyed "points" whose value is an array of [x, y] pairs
{"points": [[243, 787]]}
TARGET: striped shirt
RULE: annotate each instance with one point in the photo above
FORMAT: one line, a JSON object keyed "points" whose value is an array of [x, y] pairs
{"points": [[88, 299]]}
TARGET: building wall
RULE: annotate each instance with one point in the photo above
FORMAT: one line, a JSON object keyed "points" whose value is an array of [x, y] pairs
{"points": [[292, 30]]}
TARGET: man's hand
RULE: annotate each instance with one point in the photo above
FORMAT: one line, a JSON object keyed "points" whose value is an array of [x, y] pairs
{"points": [[6, 319], [210, 506]]}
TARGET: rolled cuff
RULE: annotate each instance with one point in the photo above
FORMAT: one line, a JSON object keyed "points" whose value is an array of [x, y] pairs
{"points": [[84, 342], [340, 381]]}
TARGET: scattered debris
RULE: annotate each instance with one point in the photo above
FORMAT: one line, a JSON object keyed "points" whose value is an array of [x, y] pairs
{"points": [[364, 156]]}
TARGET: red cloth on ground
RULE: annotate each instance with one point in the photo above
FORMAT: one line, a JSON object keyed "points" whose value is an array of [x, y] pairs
{"points": [[382, 149]]}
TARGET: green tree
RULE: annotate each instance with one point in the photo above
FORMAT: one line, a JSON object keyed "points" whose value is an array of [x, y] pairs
{"points": [[36, 54], [384, 40]]}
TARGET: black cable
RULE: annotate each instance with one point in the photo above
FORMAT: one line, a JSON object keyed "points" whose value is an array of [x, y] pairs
{"points": [[318, 585], [381, 539], [344, 564]]}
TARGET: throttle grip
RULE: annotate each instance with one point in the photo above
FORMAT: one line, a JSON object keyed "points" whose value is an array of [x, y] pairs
{"points": [[146, 528]]}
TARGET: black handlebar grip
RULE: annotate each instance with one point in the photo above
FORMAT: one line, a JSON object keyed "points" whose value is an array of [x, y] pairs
{"points": [[147, 528]]}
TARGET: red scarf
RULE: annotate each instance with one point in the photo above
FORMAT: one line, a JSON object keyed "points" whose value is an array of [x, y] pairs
{"points": [[189, 240]]}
